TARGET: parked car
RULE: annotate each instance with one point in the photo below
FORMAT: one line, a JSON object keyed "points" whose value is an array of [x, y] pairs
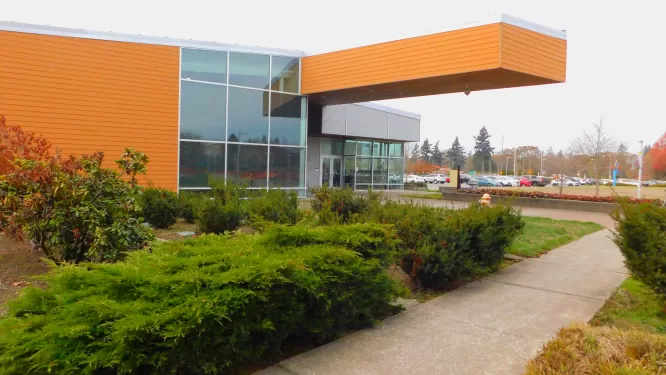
{"points": [[464, 178], [508, 181], [436, 179], [565, 182], [497, 179], [484, 181], [537, 180], [412, 178], [524, 182]]}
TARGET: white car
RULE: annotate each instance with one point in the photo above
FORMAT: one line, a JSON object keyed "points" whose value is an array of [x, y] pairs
{"points": [[412, 178], [435, 179], [559, 182], [509, 181]]}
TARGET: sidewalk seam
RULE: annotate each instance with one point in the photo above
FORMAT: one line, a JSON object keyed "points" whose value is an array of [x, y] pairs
{"points": [[547, 290]]}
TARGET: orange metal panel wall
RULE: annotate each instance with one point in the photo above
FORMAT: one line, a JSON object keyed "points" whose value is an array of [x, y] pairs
{"points": [[453, 52], [88, 95], [530, 52]]}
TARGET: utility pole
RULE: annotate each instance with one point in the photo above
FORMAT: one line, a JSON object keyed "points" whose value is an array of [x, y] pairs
{"points": [[515, 150], [640, 169]]}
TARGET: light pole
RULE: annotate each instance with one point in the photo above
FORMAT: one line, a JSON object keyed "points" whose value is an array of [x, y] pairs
{"points": [[640, 169], [515, 150], [507, 166], [541, 171]]}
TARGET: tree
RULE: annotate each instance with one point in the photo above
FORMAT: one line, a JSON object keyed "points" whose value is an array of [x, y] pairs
{"points": [[456, 154], [483, 150], [657, 156], [414, 154], [437, 155], [426, 151], [622, 148], [560, 154], [594, 144], [420, 166], [550, 152]]}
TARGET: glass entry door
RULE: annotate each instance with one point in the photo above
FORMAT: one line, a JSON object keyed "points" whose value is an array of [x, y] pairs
{"points": [[331, 171]]}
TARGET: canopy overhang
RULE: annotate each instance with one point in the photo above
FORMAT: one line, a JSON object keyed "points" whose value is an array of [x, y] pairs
{"points": [[503, 53]]}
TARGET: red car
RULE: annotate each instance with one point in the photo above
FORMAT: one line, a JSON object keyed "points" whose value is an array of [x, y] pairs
{"points": [[525, 182]]}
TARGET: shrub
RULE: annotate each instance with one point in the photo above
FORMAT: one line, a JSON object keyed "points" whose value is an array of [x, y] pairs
{"points": [[275, 205], [345, 203], [160, 207], [640, 235], [217, 216], [205, 305], [440, 246], [187, 202], [73, 209], [541, 195], [372, 241]]}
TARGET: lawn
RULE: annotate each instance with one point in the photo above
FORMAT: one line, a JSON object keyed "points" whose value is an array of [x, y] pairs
{"points": [[625, 337], [541, 235]]}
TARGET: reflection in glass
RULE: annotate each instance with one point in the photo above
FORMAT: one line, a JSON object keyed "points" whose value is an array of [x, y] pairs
{"points": [[364, 148], [380, 149], [248, 120], [246, 164], [350, 147], [287, 168], [204, 65], [202, 111], [248, 70], [197, 159], [332, 147], [396, 171], [379, 171], [284, 72], [350, 171], [287, 119], [363, 170], [396, 149]]}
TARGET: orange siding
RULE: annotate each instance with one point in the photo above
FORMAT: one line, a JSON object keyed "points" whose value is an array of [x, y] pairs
{"points": [[530, 52], [88, 95], [447, 53]]}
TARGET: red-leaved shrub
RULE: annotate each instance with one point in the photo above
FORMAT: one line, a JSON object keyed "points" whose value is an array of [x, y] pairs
{"points": [[570, 197]]}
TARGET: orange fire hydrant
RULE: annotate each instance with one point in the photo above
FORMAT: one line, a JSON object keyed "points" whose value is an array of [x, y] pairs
{"points": [[485, 200]]}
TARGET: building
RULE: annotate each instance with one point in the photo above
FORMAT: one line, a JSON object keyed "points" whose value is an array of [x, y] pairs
{"points": [[267, 117]]}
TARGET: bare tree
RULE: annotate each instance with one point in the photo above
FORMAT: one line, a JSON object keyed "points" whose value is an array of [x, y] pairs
{"points": [[594, 144]]}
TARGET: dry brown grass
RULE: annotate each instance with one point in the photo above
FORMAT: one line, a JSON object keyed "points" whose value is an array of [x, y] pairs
{"points": [[583, 349], [626, 191]]}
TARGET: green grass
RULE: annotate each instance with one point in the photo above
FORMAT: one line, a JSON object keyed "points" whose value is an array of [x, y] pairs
{"points": [[541, 235], [633, 306]]}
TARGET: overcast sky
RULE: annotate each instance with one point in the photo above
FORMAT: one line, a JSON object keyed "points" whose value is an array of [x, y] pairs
{"points": [[616, 54]]}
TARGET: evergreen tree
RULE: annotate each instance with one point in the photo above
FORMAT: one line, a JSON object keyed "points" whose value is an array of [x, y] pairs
{"points": [[456, 154], [437, 155], [550, 151], [483, 151], [560, 154], [415, 152], [426, 151], [622, 148]]}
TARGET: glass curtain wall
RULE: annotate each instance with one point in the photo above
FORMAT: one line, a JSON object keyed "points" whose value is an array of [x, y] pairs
{"points": [[241, 119], [370, 164]]}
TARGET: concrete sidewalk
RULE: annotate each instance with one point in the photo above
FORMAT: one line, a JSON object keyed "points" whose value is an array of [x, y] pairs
{"points": [[489, 327]]}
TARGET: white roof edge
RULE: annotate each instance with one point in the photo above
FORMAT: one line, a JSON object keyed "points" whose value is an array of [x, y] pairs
{"points": [[384, 108], [144, 39], [529, 25]]}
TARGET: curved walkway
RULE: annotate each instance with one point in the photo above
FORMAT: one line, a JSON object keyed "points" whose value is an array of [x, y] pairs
{"points": [[493, 326]]}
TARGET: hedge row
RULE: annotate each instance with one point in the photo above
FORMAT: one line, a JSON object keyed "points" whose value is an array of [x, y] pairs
{"points": [[571, 197], [206, 305]]}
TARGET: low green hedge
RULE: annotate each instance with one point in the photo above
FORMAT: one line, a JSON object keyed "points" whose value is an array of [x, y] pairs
{"points": [[201, 306], [160, 207], [372, 241], [440, 246], [640, 233]]}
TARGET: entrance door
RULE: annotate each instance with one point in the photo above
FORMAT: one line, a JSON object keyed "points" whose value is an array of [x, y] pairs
{"points": [[331, 171]]}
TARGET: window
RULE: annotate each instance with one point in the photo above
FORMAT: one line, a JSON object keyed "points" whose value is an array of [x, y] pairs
{"points": [[248, 70], [202, 65], [332, 147], [364, 148], [396, 171], [288, 125], [379, 171], [396, 150], [285, 74], [246, 164], [287, 168], [363, 170], [197, 160], [350, 148], [380, 149], [248, 116], [202, 111]]}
